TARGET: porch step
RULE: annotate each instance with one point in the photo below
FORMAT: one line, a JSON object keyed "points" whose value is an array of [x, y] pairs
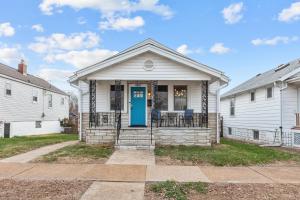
{"points": [[135, 138]]}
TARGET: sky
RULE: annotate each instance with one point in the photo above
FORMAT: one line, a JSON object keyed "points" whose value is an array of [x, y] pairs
{"points": [[58, 37]]}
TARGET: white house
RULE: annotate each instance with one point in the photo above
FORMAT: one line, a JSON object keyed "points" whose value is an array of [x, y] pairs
{"points": [[265, 109], [118, 94], [29, 105]]}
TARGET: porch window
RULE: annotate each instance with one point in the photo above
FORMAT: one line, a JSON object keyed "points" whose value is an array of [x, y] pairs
{"points": [[180, 97], [112, 97], [162, 97], [232, 106]]}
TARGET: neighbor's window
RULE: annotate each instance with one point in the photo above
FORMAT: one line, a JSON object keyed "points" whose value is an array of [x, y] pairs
{"points": [[269, 92], [112, 97], [180, 97], [229, 131], [252, 96], [62, 101], [162, 97], [35, 96], [49, 100], [232, 106], [8, 89], [255, 134], [38, 124]]}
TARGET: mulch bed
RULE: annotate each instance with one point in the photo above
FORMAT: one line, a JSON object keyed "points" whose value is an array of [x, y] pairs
{"points": [[239, 191], [40, 190]]}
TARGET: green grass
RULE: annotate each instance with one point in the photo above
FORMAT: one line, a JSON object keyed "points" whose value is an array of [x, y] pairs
{"points": [[17, 145], [81, 150], [178, 191], [229, 153]]}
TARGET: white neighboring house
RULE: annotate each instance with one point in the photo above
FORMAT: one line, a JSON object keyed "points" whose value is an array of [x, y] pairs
{"points": [[149, 76], [265, 109], [29, 105]]}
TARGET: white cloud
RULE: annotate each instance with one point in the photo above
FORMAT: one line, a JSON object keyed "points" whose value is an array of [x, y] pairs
{"points": [[290, 14], [81, 20], [60, 41], [185, 50], [109, 7], [274, 41], [122, 23], [6, 30], [82, 58], [51, 74], [9, 55], [219, 48], [233, 13], [38, 28]]}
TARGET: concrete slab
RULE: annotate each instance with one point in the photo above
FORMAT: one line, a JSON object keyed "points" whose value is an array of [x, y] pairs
{"points": [[132, 157], [177, 173], [8, 170], [280, 174], [31, 155], [126, 173], [114, 191], [55, 172], [234, 175]]}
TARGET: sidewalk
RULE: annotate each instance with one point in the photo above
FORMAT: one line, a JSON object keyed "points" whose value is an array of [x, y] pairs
{"points": [[143, 173], [31, 155]]}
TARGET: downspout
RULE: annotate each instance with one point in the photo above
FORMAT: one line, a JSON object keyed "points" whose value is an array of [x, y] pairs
{"points": [[281, 109], [80, 109], [218, 110]]}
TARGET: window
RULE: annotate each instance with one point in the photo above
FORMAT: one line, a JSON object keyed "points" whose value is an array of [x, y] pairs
{"points": [[35, 96], [49, 100], [252, 96], [62, 101], [255, 134], [8, 89], [229, 131], [180, 97], [38, 124], [232, 106], [112, 97], [162, 97], [269, 92]]}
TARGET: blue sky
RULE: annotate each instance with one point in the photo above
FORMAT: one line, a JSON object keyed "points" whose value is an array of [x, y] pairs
{"points": [[58, 37]]}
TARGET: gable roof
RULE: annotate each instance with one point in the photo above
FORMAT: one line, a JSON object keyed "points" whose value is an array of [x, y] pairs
{"points": [[280, 73], [29, 79], [146, 46]]}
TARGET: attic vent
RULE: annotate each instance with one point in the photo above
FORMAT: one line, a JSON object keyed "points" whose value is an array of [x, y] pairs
{"points": [[282, 66], [148, 65]]}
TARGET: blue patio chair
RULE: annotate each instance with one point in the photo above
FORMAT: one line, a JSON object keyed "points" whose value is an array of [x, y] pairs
{"points": [[156, 117], [188, 117]]}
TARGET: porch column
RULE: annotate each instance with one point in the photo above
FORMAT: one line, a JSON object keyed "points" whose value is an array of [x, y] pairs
{"points": [[154, 95], [118, 102], [204, 101], [93, 111]]}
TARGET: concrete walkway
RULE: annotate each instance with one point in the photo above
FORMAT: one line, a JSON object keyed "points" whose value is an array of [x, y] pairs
{"points": [[31, 155], [132, 157], [143, 173]]}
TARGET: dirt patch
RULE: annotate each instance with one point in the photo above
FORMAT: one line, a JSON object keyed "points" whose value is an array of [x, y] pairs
{"points": [[39, 190], [239, 191], [74, 160]]}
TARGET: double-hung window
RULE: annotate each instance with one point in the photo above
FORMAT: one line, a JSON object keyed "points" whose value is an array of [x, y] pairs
{"points": [[112, 97], [8, 89], [162, 97], [35, 96], [232, 106], [269, 92], [180, 97]]}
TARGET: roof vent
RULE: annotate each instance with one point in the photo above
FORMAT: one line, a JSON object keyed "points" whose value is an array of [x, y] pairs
{"points": [[258, 74], [282, 66]]}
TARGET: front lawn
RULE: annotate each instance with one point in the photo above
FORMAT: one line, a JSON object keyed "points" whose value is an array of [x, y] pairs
{"points": [[78, 153], [17, 145], [228, 153]]}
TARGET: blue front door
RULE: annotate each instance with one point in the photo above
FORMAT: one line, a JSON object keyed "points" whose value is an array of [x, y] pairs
{"points": [[138, 106]]}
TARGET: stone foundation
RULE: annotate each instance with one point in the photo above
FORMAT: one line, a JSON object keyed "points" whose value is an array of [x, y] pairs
{"points": [[100, 136], [212, 124], [182, 136]]}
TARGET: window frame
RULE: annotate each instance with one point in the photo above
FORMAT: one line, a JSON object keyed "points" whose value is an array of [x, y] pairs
{"points": [[48, 101], [37, 96], [254, 96], [38, 124], [62, 101], [186, 98], [255, 137], [272, 92], [232, 100], [8, 89], [123, 99], [229, 130], [158, 98]]}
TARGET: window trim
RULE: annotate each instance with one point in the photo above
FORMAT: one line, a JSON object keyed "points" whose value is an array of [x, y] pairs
{"points": [[186, 99], [267, 92]]}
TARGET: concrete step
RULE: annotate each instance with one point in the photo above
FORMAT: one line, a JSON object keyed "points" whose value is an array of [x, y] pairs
{"points": [[137, 147]]}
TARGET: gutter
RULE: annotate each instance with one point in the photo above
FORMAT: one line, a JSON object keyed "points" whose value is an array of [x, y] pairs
{"points": [[218, 110], [79, 109]]}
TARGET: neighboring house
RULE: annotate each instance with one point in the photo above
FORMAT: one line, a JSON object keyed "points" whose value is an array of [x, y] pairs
{"points": [[265, 109], [29, 105], [144, 76]]}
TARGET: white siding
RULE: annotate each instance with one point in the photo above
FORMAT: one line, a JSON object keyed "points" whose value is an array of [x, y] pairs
{"points": [[289, 107], [164, 69], [19, 107], [263, 114]]}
